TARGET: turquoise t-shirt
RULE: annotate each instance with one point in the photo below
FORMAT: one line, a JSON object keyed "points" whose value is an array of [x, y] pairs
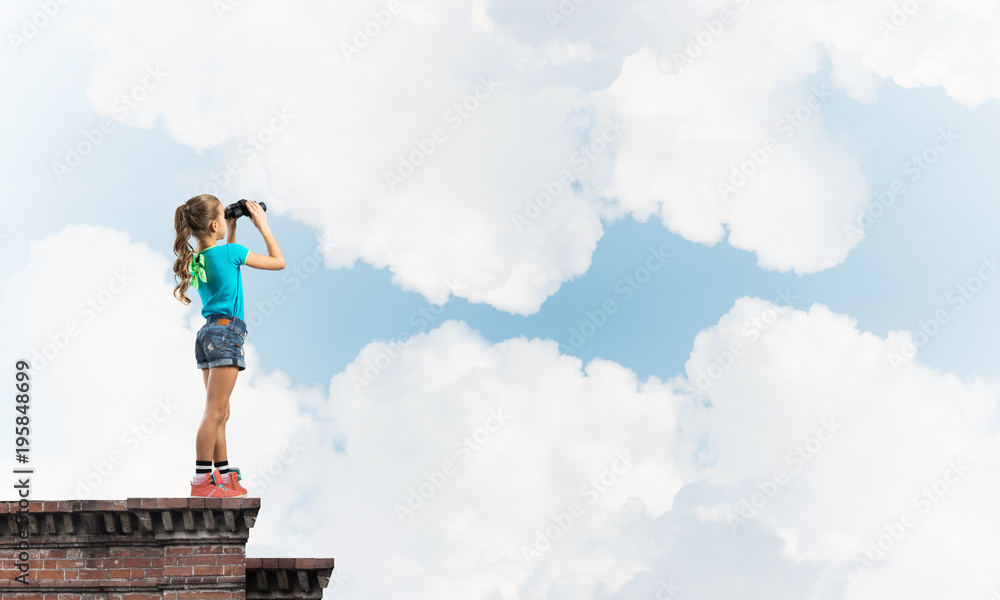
{"points": [[222, 291]]}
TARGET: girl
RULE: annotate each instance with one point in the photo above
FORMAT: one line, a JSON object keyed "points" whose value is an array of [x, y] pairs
{"points": [[214, 270]]}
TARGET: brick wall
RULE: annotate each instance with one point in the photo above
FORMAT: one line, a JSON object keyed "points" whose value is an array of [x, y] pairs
{"points": [[145, 548]]}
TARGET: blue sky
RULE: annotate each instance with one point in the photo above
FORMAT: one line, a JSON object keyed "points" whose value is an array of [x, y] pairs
{"points": [[336, 464], [928, 243]]}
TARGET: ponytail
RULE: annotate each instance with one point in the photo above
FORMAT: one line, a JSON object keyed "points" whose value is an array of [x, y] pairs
{"points": [[190, 219]]}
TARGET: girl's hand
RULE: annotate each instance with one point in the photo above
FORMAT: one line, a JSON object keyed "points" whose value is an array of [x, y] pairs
{"points": [[256, 214]]}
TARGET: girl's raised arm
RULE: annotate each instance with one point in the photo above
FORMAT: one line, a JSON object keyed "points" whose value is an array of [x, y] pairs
{"points": [[275, 261]]}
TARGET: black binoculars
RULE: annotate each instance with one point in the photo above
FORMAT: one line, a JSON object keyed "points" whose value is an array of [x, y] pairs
{"points": [[239, 209]]}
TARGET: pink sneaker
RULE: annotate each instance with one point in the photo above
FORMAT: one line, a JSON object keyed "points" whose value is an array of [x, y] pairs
{"points": [[233, 483], [210, 487]]}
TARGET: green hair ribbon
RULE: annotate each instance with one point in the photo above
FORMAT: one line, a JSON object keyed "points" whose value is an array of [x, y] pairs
{"points": [[197, 270]]}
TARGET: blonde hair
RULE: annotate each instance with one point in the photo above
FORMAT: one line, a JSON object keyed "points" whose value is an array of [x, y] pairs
{"points": [[193, 218]]}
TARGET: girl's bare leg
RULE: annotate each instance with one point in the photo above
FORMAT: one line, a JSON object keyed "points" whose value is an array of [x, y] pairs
{"points": [[220, 439], [220, 383]]}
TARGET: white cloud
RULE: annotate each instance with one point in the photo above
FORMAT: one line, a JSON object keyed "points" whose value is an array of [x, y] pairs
{"points": [[899, 432], [893, 435], [447, 228], [712, 151], [889, 435], [662, 516], [339, 463]]}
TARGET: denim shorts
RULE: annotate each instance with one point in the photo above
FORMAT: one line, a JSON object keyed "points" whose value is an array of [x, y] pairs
{"points": [[220, 342]]}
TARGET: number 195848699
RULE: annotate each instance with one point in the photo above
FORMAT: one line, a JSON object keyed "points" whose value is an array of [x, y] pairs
{"points": [[22, 420]]}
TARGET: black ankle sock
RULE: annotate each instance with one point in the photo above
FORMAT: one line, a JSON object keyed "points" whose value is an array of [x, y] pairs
{"points": [[202, 467], [223, 467]]}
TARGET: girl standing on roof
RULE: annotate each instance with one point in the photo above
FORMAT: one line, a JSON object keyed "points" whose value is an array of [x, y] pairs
{"points": [[214, 270]]}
